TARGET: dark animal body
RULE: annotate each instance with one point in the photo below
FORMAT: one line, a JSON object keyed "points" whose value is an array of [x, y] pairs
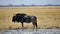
{"points": [[23, 18]]}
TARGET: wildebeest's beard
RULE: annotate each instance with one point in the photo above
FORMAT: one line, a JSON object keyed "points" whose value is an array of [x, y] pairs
{"points": [[14, 18]]}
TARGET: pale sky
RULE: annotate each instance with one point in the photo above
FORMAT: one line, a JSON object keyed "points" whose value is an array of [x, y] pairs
{"points": [[29, 2]]}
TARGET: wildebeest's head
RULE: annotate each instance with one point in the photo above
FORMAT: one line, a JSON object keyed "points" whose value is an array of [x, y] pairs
{"points": [[18, 17]]}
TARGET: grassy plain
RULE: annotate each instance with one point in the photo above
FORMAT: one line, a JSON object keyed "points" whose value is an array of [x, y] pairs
{"points": [[47, 16]]}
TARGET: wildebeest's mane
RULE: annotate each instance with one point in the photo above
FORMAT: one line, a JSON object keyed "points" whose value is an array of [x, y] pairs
{"points": [[20, 14]]}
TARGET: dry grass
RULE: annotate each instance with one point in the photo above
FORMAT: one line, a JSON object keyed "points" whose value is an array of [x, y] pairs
{"points": [[47, 16]]}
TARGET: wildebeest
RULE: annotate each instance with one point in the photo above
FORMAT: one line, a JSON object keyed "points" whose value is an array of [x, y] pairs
{"points": [[24, 18]]}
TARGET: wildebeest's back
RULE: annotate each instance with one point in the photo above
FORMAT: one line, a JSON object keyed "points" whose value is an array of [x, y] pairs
{"points": [[27, 19]]}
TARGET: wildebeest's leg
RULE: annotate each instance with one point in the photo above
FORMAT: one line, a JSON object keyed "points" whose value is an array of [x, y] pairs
{"points": [[36, 25], [33, 25], [22, 26], [34, 21]]}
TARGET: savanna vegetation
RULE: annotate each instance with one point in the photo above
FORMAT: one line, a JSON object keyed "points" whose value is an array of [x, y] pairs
{"points": [[48, 17]]}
